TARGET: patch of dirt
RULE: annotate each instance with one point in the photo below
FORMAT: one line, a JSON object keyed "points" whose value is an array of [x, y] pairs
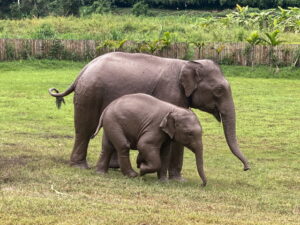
{"points": [[55, 136], [47, 136], [60, 160], [21, 160], [10, 144], [266, 159]]}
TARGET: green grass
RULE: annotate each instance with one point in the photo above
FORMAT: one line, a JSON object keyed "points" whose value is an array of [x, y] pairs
{"points": [[38, 187], [183, 28]]}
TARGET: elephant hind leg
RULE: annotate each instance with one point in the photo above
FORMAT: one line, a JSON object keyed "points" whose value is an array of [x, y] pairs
{"points": [[106, 153], [86, 120], [122, 146]]}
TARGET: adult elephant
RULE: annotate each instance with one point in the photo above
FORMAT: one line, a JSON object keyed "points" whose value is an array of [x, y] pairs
{"points": [[198, 84]]}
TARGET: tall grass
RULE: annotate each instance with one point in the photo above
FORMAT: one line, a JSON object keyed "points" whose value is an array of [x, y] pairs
{"points": [[183, 28]]}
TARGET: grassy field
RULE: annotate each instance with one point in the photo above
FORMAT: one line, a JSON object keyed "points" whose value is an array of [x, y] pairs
{"points": [[183, 28], [38, 187]]}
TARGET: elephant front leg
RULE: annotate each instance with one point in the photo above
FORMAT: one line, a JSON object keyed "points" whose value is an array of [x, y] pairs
{"points": [[151, 162], [124, 160], [176, 161], [165, 154]]}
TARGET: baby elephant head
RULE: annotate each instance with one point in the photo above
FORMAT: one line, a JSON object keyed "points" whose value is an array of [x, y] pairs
{"points": [[184, 128]]}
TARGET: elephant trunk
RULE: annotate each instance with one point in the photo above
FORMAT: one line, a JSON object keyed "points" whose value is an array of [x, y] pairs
{"points": [[228, 120], [199, 162]]}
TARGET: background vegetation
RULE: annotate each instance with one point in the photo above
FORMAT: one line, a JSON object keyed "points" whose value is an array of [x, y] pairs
{"points": [[38, 187], [193, 26], [40, 8]]}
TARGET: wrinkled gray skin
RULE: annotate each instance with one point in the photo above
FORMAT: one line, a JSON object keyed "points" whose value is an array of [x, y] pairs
{"points": [[198, 84], [145, 123]]}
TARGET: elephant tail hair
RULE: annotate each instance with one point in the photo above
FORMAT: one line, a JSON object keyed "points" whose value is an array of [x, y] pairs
{"points": [[59, 96], [100, 124]]}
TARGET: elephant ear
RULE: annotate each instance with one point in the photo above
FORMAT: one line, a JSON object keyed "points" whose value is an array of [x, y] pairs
{"points": [[219, 91], [190, 76], [168, 125]]}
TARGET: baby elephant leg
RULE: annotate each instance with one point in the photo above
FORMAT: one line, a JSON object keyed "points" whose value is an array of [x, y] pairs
{"points": [[105, 156], [165, 155], [151, 160], [139, 160], [124, 160]]}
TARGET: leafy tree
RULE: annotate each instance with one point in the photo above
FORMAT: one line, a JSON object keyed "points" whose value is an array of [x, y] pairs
{"points": [[5, 8], [140, 8]]}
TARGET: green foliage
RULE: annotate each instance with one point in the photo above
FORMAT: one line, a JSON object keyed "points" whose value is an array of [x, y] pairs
{"points": [[140, 9], [157, 45], [213, 4], [10, 51], [111, 45], [283, 19], [254, 38], [44, 31], [40, 8], [296, 58], [26, 51], [272, 39], [57, 50], [98, 7], [198, 45], [184, 27]]}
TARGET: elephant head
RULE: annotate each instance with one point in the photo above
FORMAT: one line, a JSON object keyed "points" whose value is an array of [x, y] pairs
{"points": [[207, 89], [184, 127]]}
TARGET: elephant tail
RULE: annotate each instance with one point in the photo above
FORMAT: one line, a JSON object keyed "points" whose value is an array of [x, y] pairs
{"points": [[59, 96], [100, 124]]}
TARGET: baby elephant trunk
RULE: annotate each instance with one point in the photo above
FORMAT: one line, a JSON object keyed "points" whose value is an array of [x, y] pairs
{"points": [[199, 161]]}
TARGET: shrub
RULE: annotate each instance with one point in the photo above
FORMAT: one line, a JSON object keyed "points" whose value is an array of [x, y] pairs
{"points": [[98, 6], [45, 31], [10, 51], [140, 8]]}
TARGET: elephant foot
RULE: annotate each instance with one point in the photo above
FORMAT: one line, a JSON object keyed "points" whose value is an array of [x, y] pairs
{"points": [[131, 174], [101, 171], [80, 165], [163, 179], [177, 178]]}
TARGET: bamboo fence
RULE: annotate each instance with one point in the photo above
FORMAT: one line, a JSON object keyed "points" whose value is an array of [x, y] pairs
{"points": [[223, 53]]}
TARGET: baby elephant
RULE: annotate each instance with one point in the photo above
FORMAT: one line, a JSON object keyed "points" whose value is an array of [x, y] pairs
{"points": [[142, 122]]}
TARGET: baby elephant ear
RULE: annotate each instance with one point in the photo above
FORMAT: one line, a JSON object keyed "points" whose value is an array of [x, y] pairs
{"points": [[168, 125]]}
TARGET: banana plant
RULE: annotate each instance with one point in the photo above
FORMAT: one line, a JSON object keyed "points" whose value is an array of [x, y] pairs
{"points": [[199, 45], [254, 39], [272, 40], [112, 44]]}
